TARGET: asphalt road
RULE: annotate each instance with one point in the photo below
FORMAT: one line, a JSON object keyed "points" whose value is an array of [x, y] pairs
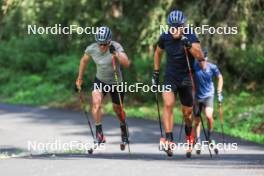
{"points": [[20, 125]]}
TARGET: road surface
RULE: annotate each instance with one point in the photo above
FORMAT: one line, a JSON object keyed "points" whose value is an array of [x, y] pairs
{"points": [[20, 125]]}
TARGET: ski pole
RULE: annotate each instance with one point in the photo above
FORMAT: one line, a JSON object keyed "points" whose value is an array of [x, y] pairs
{"points": [[193, 93], [181, 129], [157, 102], [190, 72], [221, 120], [206, 136], [120, 99], [85, 114]]}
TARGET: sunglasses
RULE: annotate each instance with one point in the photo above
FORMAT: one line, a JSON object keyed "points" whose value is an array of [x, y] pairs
{"points": [[104, 44]]}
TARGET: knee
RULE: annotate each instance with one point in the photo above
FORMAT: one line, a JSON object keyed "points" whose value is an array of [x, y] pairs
{"points": [[187, 113], [209, 117], [168, 106], [197, 121], [96, 106], [117, 108]]}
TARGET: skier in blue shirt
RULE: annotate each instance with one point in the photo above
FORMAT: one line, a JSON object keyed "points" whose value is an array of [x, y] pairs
{"points": [[204, 73]]}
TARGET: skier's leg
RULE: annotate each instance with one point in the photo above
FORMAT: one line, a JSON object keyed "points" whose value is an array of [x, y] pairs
{"points": [[197, 118], [197, 127], [168, 104], [97, 98], [209, 104], [120, 114], [186, 98], [187, 113], [209, 116]]}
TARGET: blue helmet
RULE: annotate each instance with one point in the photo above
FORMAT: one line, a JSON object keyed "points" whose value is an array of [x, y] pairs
{"points": [[176, 18], [205, 54], [103, 35]]}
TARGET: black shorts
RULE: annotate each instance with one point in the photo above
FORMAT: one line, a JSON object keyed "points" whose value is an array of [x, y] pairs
{"points": [[199, 104], [183, 86], [108, 88]]}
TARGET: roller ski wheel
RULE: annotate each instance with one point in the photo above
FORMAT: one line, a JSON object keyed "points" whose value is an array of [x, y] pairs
{"points": [[198, 152], [96, 145], [90, 151], [216, 151], [198, 147], [189, 154], [169, 153], [123, 145]]}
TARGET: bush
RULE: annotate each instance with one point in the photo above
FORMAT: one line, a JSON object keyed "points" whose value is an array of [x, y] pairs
{"points": [[246, 65], [29, 54], [33, 89], [64, 69]]}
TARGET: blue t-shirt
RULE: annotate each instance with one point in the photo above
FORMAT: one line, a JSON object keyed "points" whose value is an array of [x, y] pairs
{"points": [[203, 79], [176, 65]]}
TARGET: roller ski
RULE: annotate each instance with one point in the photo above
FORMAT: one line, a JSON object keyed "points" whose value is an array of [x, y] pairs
{"points": [[190, 143], [124, 138], [166, 146], [198, 146], [212, 145], [100, 140]]}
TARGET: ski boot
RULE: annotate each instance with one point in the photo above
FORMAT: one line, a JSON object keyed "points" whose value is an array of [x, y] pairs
{"points": [[198, 146], [100, 138], [124, 137]]}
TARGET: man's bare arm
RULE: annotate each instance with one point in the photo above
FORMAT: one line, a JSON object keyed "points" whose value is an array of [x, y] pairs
{"points": [[220, 83], [196, 51], [157, 57], [83, 63]]}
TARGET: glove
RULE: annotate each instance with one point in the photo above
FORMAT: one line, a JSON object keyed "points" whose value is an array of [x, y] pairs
{"points": [[79, 84], [186, 42], [220, 97], [112, 49], [155, 78]]}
